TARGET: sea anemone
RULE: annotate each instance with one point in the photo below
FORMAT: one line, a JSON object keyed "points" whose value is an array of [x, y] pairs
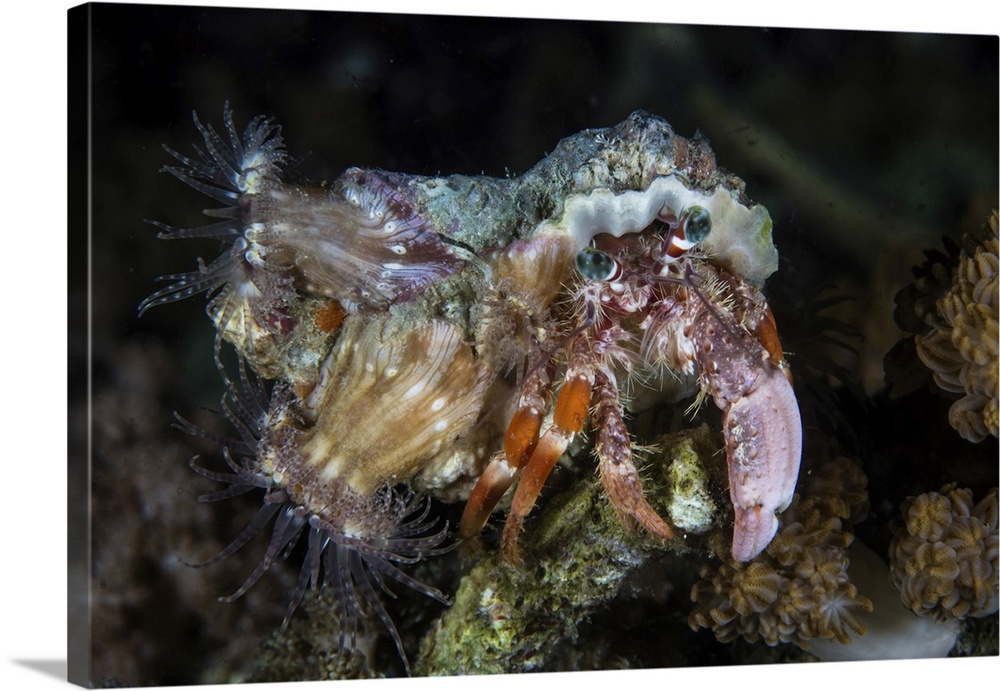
{"points": [[225, 172], [354, 542], [359, 240], [251, 297]]}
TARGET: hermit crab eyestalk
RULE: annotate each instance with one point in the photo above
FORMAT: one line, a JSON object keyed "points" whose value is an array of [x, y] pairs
{"points": [[693, 226], [596, 265], [697, 224]]}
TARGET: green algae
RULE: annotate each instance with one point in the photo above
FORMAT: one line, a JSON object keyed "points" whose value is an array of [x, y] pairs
{"points": [[694, 479]]}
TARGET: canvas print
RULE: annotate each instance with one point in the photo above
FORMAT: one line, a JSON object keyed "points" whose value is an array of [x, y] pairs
{"points": [[430, 345]]}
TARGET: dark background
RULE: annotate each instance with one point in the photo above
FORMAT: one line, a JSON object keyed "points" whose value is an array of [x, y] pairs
{"points": [[901, 128], [865, 146]]}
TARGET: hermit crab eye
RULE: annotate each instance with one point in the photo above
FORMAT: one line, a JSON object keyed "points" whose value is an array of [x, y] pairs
{"points": [[697, 224], [595, 264]]}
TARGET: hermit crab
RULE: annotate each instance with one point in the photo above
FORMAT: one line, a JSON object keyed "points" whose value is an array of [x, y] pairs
{"points": [[641, 305], [395, 317]]}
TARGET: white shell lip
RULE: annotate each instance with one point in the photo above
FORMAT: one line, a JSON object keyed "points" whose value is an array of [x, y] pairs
{"points": [[740, 240]]}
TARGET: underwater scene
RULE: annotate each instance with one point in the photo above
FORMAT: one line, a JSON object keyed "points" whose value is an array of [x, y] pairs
{"points": [[431, 345]]}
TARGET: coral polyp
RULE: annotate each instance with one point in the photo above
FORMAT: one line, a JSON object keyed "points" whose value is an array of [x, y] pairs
{"points": [[962, 347], [798, 589], [944, 559]]}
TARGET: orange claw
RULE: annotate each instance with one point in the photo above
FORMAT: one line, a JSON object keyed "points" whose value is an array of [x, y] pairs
{"points": [[502, 470], [491, 486], [522, 435], [573, 402], [568, 419], [767, 333]]}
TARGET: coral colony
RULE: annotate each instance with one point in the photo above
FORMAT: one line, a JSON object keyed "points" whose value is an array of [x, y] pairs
{"points": [[405, 339]]}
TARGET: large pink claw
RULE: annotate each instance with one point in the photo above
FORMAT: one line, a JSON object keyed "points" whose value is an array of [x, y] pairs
{"points": [[764, 446], [744, 370]]}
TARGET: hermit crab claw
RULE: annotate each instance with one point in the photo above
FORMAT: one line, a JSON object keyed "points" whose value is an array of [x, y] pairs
{"points": [[745, 371], [763, 432]]}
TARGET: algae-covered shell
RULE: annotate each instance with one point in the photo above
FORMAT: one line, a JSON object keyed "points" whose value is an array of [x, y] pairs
{"points": [[375, 239], [616, 180]]}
